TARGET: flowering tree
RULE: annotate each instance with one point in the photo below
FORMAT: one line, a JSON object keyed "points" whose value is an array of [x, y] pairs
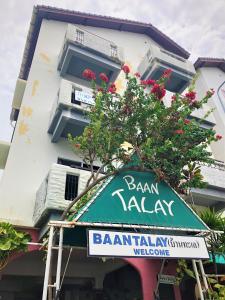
{"points": [[165, 138]]}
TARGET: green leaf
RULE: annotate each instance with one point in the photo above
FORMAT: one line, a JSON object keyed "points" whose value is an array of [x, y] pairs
{"points": [[5, 245]]}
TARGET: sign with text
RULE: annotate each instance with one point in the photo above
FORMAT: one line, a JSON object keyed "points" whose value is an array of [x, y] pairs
{"points": [[137, 198], [131, 244], [167, 279], [84, 97]]}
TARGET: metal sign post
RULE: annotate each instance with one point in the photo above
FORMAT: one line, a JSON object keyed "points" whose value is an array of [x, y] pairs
{"points": [[200, 276], [57, 228], [56, 286]]}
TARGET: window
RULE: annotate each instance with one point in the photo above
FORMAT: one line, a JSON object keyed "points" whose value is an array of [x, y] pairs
{"points": [[71, 188], [73, 97], [113, 50], [79, 36], [69, 163], [76, 164]]}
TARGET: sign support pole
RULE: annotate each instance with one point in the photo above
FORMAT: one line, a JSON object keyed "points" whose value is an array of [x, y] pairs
{"points": [[59, 260], [47, 288], [48, 264], [198, 279], [156, 292], [203, 275]]}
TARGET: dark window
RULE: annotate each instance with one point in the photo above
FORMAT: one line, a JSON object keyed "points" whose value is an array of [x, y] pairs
{"points": [[76, 164], [73, 99], [71, 186], [69, 163]]}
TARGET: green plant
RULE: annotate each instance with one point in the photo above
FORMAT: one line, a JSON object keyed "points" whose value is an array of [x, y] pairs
{"points": [[216, 290], [165, 138], [183, 269], [216, 241], [11, 241]]}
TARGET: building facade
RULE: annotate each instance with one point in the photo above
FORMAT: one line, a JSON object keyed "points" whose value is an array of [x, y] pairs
{"points": [[42, 173]]}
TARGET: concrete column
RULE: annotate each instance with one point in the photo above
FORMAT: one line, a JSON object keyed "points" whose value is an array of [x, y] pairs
{"points": [[148, 270]]}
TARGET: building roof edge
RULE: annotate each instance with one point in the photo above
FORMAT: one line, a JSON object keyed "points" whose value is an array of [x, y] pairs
{"points": [[41, 12]]}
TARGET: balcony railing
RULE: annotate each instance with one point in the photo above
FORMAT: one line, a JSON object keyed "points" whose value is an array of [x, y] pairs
{"points": [[214, 194], [68, 111], [51, 195], [83, 49], [157, 60]]}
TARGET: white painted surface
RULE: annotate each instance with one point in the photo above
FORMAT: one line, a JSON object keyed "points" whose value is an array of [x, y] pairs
{"points": [[213, 78], [32, 153]]}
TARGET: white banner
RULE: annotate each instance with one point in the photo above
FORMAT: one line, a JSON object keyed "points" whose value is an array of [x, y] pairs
{"points": [[84, 97], [127, 244]]}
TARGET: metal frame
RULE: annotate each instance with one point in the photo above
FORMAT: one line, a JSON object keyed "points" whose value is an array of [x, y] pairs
{"points": [[47, 285], [58, 226]]}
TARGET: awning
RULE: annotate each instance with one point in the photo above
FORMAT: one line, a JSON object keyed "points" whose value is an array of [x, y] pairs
{"points": [[133, 199]]}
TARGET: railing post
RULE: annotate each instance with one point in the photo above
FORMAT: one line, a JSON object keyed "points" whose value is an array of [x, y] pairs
{"points": [[48, 264], [59, 260], [198, 279]]}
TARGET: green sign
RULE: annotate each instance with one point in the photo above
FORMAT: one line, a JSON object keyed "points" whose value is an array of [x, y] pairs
{"points": [[136, 198]]}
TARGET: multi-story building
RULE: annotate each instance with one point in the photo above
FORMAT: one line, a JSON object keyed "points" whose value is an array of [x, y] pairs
{"points": [[42, 173]]}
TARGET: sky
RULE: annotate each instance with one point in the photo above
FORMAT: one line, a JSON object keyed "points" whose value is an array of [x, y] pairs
{"points": [[196, 25]]}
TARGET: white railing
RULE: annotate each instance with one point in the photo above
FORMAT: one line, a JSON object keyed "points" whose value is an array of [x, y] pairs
{"points": [[64, 97], [214, 174], [86, 39]]}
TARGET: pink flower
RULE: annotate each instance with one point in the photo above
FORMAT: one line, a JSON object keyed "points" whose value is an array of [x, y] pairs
{"points": [[173, 98], [89, 74], [179, 131], [167, 73], [137, 75], [150, 81], [126, 69], [219, 137], [186, 121], [77, 146], [158, 90], [191, 96], [210, 93], [112, 88], [144, 82], [103, 77]]}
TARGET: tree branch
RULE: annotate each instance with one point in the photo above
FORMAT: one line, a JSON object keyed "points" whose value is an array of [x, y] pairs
{"points": [[86, 190]]}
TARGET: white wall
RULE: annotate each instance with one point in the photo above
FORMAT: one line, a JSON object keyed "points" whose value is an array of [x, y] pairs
{"points": [[213, 78], [32, 153]]}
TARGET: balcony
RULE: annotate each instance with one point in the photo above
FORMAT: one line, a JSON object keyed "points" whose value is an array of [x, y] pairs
{"points": [[157, 60], [83, 49], [68, 111], [56, 191], [214, 194]]}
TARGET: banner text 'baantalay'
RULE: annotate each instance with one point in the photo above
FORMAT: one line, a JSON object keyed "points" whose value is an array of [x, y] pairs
{"points": [[127, 244]]}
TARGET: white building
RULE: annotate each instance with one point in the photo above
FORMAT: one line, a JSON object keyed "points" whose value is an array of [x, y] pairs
{"points": [[41, 172]]}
